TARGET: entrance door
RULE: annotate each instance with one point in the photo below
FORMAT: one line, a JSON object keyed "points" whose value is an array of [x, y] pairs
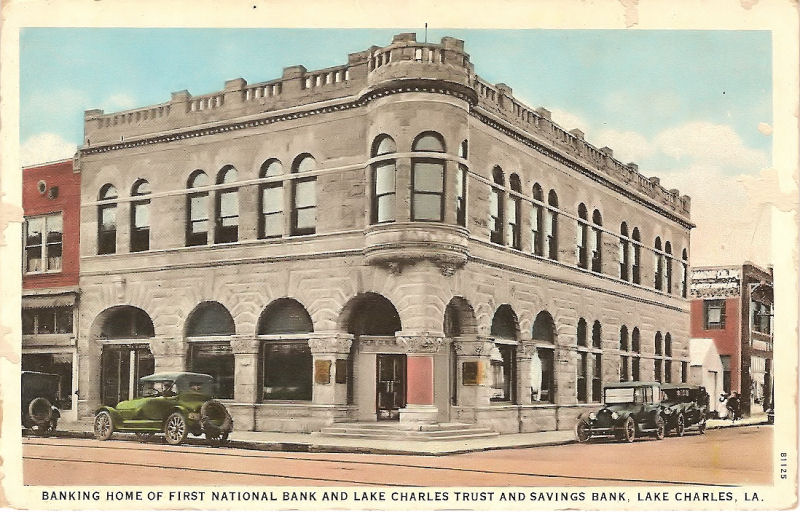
{"points": [[390, 385], [122, 366]]}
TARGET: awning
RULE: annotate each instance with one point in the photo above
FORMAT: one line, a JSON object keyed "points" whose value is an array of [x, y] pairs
{"points": [[48, 301]]}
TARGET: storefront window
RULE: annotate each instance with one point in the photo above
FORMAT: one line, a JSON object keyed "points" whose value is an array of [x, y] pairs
{"points": [[503, 366], [286, 371]]}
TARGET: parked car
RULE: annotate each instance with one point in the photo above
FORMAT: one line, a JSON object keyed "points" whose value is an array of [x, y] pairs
{"points": [[40, 392], [685, 406], [630, 409], [176, 404]]}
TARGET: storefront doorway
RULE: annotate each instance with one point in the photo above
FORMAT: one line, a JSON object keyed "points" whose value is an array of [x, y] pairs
{"points": [[122, 366], [390, 385]]}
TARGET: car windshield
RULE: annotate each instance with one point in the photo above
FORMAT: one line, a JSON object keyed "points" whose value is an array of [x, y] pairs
{"points": [[157, 388], [622, 395]]}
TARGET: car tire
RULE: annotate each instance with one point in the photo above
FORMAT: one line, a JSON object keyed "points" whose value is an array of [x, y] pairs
{"points": [[629, 430], [583, 431], [215, 419], [40, 411], [680, 426], [661, 428], [175, 429], [103, 426]]}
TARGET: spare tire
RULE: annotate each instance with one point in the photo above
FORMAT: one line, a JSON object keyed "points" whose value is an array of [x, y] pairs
{"points": [[214, 418], [40, 411]]}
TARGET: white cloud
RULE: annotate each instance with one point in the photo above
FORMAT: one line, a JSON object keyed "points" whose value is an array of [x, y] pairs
{"points": [[119, 101], [569, 121], [45, 147], [718, 145]]}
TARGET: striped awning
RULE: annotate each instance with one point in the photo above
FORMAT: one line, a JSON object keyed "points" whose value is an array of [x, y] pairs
{"points": [[48, 301]]}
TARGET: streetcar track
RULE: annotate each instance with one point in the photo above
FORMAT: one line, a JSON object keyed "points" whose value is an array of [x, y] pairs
{"points": [[264, 455], [224, 471]]}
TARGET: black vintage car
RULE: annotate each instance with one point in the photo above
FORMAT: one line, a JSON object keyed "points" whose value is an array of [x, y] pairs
{"points": [[685, 406], [630, 409], [40, 392]]}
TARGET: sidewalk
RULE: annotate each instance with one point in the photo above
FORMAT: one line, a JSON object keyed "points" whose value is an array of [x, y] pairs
{"points": [[294, 442]]}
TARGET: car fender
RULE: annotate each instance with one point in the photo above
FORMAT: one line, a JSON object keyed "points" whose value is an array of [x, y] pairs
{"points": [[115, 415]]}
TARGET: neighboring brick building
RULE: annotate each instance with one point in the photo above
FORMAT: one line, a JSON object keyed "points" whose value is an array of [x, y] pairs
{"points": [[733, 306], [393, 238], [51, 235]]}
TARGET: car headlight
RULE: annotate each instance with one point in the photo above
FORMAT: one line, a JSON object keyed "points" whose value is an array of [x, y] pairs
{"points": [[592, 416], [614, 415]]}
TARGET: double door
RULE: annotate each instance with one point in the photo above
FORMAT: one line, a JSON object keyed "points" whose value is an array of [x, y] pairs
{"points": [[390, 385], [122, 366]]}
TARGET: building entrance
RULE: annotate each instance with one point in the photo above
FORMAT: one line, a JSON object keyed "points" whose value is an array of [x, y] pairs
{"points": [[122, 366], [390, 385]]}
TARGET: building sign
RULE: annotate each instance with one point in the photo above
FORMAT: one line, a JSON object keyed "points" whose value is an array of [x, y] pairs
{"points": [[322, 371], [716, 282], [471, 373]]}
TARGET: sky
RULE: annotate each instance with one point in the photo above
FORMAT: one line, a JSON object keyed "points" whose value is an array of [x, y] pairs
{"points": [[692, 107]]}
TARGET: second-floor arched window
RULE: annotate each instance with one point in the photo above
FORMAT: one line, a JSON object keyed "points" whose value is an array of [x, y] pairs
{"points": [[624, 253], [684, 274], [496, 206], [107, 221], [597, 242], [197, 206], [271, 219], [658, 265], [140, 217], [537, 221], [636, 264], [304, 197], [427, 179], [514, 229], [551, 225], [668, 267], [383, 180], [227, 210], [461, 186]]}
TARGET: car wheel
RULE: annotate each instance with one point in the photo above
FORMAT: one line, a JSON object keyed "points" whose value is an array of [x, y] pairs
{"points": [[583, 431], [144, 437], [660, 428], [103, 426], [40, 411], [680, 427], [629, 430], [214, 418], [175, 429], [701, 427]]}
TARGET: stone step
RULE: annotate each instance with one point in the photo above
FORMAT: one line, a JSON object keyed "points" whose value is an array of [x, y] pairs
{"points": [[409, 432], [420, 427], [403, 436], [405, 433]]}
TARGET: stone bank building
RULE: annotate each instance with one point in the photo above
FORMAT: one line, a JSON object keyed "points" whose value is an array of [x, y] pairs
{"points": [[392, 239]]}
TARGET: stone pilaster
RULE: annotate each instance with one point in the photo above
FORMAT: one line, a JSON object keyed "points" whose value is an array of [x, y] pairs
{"points": [[123, 227], [245, 377], [329, 378], [403, 190], [526, 237], [526, 351], [472, 355], [450, 216], [169, 354], [420, 406]]}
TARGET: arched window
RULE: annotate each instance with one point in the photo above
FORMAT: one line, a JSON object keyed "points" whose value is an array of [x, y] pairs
{"points": [[543, 364], [496, 206], [286, 360], [582, 236], [304, 197], [140, 217], [668, 266], [582, 379], [636, 348], [427, 179], [551, 225], [582, 339], [684, 274], [271, 220], [658, 265], [597, 362], [197, 206], [503, 355], [107, 221], [658, 362], [383, 180], [624, 252], [597, 242], [461, 186], [227, 211], [624, 362], [208, 331], [637, 257], [537, 221], [513, 232]]}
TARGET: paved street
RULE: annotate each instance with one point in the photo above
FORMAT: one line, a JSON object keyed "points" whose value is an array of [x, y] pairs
{"points": [[713, 458]]}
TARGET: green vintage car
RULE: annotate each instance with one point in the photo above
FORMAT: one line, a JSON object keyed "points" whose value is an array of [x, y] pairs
{"points": [[176, 404]]}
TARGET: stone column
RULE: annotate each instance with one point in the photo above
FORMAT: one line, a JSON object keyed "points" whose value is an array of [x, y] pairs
{"points": [[245, 373], [403, 190], [212, 212], [330, 387], [450, 170], [420, 406], [473, 367], [526, 351], [249, 211], [526, 237], [123, 227], [169, 354]]}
